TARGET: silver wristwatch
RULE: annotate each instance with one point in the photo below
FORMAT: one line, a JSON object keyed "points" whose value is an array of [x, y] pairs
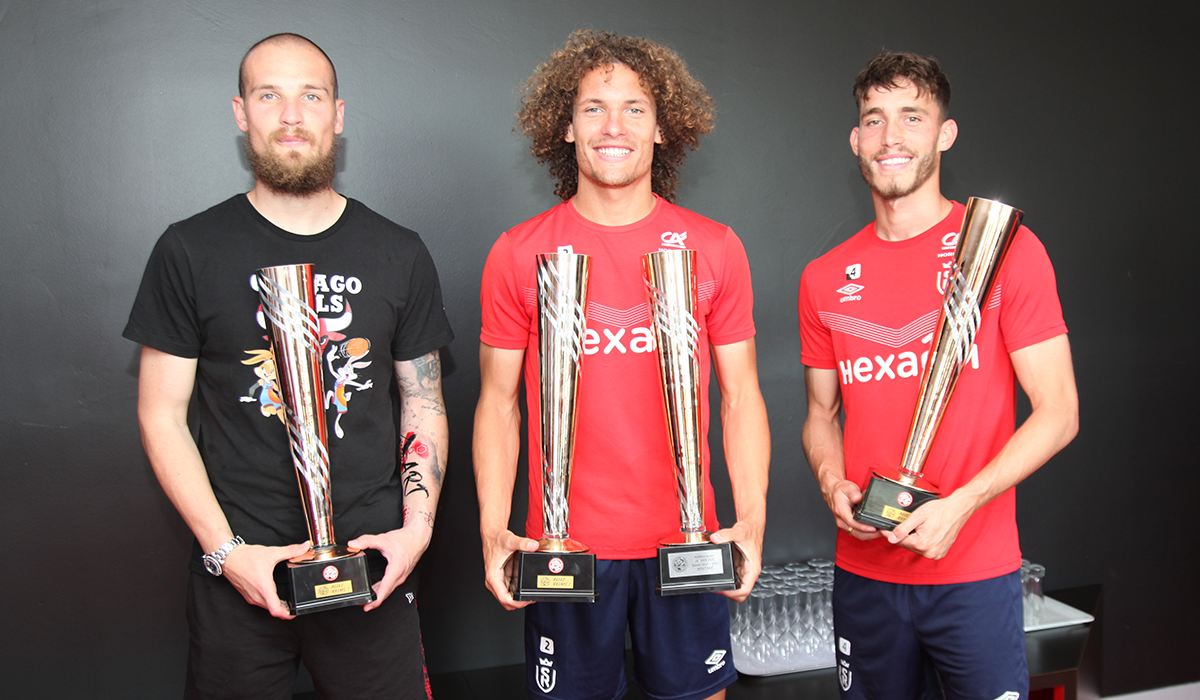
{"points": [[215, 561]]}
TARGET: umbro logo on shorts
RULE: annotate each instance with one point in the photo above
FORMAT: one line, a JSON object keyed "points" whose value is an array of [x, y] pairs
{"points": [[715, 660]]}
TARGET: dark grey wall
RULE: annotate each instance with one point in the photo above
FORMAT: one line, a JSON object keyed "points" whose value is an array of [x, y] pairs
{"points": [[116, 122]]}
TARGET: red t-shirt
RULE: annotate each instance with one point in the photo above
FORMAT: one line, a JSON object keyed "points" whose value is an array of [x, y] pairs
{"points": [[868, 309], [623, 482]]}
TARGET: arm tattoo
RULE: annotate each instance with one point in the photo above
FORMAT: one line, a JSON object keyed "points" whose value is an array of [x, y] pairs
{"points": [[411, 475], [423, 387], [423, 421], [425, 515]]}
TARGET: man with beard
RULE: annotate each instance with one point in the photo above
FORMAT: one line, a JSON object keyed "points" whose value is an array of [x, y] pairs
{"points": [[940, 591], [614, 117], [198, 318]]}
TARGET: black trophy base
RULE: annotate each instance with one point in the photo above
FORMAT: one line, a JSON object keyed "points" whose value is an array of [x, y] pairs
{"points": [[888, 501], [698, 568], [324, 580], [562, 577]]}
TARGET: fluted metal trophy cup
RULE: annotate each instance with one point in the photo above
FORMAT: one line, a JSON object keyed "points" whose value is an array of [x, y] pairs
{"points": [[328, 575], [688, 563], [561, 569], [987, 229]]}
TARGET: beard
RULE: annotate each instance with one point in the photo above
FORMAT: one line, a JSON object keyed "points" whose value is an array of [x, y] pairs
{"points": [[926, 167], [290, 174]]}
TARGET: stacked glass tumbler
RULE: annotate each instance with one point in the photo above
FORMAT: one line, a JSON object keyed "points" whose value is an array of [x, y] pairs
{"points": [[786, 624]]}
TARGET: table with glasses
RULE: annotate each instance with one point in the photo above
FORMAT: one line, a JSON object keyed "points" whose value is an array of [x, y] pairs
{"points": [[786, 624]]}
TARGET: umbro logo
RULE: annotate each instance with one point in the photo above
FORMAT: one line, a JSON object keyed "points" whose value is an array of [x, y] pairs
{"points": [[850, 292], [715, 660]]}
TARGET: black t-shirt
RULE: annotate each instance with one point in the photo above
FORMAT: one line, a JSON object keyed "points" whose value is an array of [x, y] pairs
{"points": [[379, 300]]}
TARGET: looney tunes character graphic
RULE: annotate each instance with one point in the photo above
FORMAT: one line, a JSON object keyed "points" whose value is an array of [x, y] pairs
{"points": [[345, 375], [266, 390], [343, 355]]}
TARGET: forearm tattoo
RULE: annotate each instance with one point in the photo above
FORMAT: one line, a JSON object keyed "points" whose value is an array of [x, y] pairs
{"points": [[425, 515], [410, 449], [420, 383]]}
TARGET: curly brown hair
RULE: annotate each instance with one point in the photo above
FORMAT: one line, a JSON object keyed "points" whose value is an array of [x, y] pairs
{"points": [[683, 108], [887, 70]]}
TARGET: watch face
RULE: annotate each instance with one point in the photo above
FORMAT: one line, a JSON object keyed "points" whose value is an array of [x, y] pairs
{"points": [[213, 566]]}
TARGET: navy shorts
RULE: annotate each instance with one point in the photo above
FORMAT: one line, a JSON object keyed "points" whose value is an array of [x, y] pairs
{"points": [[238, 651], [895, 641], [576, 651]]}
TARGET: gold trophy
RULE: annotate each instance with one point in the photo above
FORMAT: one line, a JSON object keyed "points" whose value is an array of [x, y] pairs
{"points": [[328, 575], [561, 569], [987, 229], [689, 562]]}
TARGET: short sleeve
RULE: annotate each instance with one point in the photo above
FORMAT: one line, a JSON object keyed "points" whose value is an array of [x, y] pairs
{"points": [[731, 312], [164, 311], [816, 343], [504, 319], [1030, 311], [422, 326]]}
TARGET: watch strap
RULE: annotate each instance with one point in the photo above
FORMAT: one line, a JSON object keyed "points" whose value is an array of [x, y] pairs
{"points": [[214, 561]]}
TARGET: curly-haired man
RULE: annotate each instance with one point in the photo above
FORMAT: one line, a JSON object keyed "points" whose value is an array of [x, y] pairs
{"points": [[614, 116], [941, 590]]}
